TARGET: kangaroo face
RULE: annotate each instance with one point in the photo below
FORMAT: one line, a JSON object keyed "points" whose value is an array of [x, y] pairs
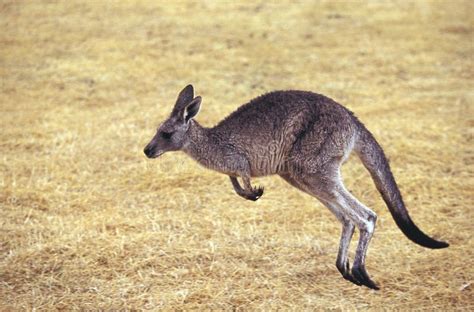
{"points": [[172, 134]]}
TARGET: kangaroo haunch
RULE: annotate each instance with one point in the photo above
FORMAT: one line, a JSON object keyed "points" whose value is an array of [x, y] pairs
{"points": [[303, 137]]}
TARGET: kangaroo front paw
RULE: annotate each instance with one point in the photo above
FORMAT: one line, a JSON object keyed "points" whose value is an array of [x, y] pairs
{"points": [[255, 194]]}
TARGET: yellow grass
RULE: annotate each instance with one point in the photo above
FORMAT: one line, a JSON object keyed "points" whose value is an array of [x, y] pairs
{"points": [[86, 222]]}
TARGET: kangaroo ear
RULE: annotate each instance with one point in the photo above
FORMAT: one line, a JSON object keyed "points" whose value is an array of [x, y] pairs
{"points": [[185, 96], [192, 109]]}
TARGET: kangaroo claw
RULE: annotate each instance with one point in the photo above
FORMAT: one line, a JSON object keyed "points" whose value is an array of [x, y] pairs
{"points": [[361, 275], [256, 193]]}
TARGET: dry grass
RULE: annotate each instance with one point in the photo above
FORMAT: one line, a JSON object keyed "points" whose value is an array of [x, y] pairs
{"points": [[86, 222]]}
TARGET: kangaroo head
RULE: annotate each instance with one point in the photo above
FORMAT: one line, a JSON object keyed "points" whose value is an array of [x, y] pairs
{"points": [[172, 133]]}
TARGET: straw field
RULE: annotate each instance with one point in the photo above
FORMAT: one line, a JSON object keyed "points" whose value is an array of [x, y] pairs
{"points": [[88, 223]]}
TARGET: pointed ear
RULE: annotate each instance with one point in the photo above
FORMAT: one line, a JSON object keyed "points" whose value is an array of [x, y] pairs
{"points": [[185, 96], [192, 109]]}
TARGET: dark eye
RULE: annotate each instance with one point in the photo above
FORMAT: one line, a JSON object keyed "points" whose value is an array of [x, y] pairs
{"points": [[166, 135]]}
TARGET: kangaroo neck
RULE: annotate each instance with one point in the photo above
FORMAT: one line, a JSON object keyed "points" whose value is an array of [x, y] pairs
{"points": [[198, 144], [211, 150]]}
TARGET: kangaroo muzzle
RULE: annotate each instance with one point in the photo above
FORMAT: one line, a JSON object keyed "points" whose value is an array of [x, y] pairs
{"points": [[151, 151]]}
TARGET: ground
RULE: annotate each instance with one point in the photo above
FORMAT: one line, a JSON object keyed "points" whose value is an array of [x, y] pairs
{"points": [[87, 222]]}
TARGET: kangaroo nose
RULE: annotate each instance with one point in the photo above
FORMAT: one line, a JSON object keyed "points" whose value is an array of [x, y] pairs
{"points": [[148, 151]]}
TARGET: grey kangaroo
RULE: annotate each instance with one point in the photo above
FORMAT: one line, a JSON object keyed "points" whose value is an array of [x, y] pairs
{"points": [[303, 137]]}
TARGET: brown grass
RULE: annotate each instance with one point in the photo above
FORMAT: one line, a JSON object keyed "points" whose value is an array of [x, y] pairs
{"points": [[86, 222]]}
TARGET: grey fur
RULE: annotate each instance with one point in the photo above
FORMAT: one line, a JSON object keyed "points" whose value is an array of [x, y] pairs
{"points": [[304, 137]]}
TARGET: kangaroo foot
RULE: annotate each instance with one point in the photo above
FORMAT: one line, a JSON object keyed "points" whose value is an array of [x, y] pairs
{"points": [[346, 273], [361, 275]]}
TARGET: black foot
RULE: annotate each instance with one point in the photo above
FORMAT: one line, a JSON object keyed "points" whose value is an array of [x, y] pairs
{"points": [[346, 273], [361, 275], [256, 193]]}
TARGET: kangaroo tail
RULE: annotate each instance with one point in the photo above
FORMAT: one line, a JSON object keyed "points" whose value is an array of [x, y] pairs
{"points": [[373, 158]]}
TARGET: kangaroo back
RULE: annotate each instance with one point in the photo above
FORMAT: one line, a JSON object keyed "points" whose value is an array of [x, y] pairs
{"points": [[373, 158]]}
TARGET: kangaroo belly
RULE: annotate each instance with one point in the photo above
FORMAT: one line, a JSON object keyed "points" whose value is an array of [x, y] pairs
{"points": [[267, 159]]}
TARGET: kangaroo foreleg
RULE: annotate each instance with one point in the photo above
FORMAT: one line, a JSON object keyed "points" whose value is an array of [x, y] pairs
{"points": [[247, 192]]}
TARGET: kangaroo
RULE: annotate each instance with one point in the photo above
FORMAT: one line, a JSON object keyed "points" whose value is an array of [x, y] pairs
{"points": [[303, 137]]}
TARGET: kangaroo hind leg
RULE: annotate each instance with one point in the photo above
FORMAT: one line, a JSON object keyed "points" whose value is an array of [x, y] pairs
{"points": [[329, 189], [365, 220], [342, 262]]}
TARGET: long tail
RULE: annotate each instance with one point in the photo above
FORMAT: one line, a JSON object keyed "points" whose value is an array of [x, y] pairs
{"points": [[373, 158]]}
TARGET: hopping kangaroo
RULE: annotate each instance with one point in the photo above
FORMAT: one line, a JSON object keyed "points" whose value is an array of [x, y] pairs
{"points": [[303, 137]]}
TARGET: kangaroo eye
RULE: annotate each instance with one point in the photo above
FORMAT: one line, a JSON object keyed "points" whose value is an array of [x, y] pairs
{"points": [[166, 135]]}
